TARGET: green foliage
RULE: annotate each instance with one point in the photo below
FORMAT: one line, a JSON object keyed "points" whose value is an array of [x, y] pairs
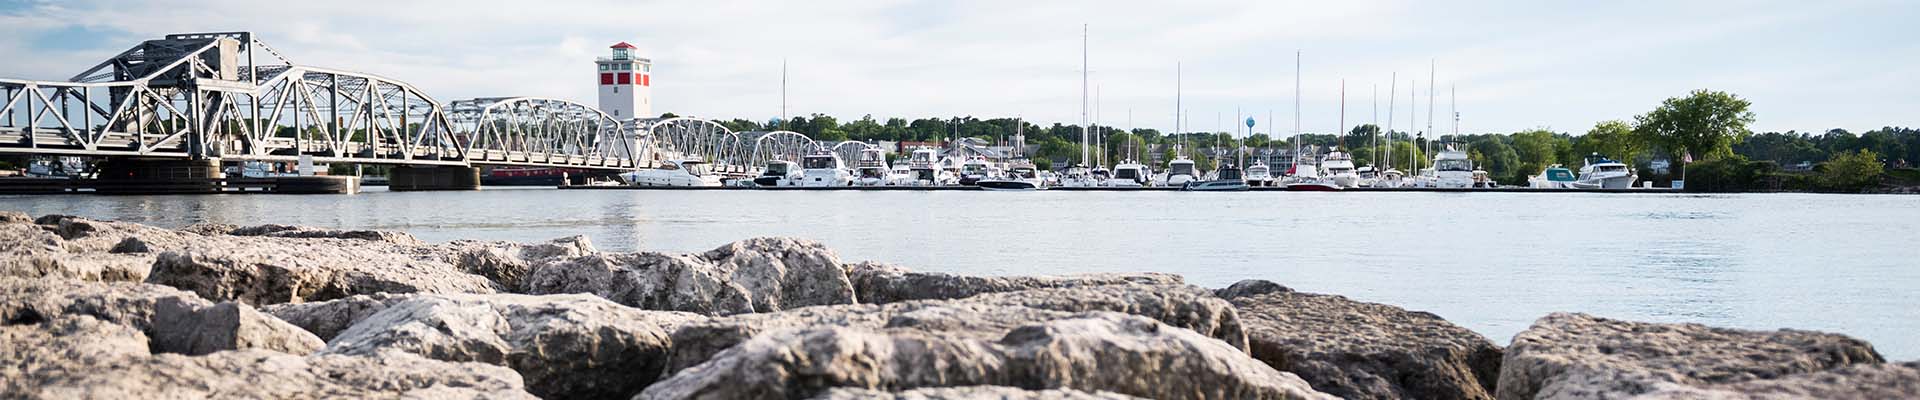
{"points": [[1730, 174], [1613, 139], [1043, 164], [1705, 123], [1535, 150], [1852, 171]]}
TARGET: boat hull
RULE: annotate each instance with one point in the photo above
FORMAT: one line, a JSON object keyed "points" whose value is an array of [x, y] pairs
{"points": [[999, 185], [1313, 187], [1234, 185]]}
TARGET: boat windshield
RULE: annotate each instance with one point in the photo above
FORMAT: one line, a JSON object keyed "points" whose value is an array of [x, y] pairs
{"points": [[923, 157], [1180, 169], [873, 173], [698, 169], [1610, 168], [1230, 173], [1126, 173], [1102, 174], [1559, 175], [973, 169], [1453, 165], [818, 162], [1026, 173], [923, 174], [776, 169]]}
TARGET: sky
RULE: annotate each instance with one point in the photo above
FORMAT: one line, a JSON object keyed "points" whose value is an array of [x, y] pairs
{"points": [[1506, 65]]}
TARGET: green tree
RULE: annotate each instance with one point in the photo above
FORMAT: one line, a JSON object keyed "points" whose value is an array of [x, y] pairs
{"points": [[1853, 171], [1535, 149], [1612, 139], [1705, 124]]}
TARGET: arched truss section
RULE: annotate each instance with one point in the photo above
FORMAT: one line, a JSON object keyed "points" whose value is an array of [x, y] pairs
{"points": [[691, 139], [848, 151], [779, 145], [540, 131]]}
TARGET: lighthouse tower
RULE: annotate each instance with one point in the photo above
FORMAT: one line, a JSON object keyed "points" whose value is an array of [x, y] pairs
{"points": [[626, 84]]}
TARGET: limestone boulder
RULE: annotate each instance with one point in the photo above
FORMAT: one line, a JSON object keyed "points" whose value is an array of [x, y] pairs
{"points": [[84, 235], [1250, 287], [289, 231], [968, 393], [34, 251], [266, 270], [1578, 356], [82, 357], [327, 319], [882, 283], [173, 321], [984, 317], [1360, 350], [509, 263], [565, 346], [1859, 381], [758, 275], [1112, 352]]}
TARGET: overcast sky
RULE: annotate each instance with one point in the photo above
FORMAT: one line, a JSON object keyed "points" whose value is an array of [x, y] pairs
{"points": [[1515, 64]]}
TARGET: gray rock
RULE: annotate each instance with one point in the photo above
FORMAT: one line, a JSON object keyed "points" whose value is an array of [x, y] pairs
{"points": [[1094, 352], [968, 393], [176, 321], [287, 231], [881, 283], [327, 319], [33, 251], [80, 357], [508, 263], [83, 235], [566, 346], [1859, 381], [261, 271], [15, 217], [1359, 350], [983, 317], [757, 275], [1250, 287], [1577, 356]]}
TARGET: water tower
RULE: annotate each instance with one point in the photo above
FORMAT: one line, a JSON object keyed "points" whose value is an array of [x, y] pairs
{"points": [[626, 84]]}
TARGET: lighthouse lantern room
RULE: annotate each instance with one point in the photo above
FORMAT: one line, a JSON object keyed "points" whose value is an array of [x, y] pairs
{"points": [[626, 84]]}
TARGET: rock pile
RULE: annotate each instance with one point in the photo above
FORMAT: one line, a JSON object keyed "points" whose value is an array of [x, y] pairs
{"points": [[96, 309]]}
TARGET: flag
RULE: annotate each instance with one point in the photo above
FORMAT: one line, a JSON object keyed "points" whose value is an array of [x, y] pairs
{"points": [[1687, 157]]}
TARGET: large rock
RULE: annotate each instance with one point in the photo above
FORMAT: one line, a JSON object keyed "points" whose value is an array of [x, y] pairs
{"points": [[1859, 381], [508, 263], [287, 231], [327, 319], [1577, 356], [176, 321], [1359, 350], [566, 346], [81, 357], [265, 270], [90, 236], [1250, 287], [881, 283], [34, 251], [968, 393], [757, 275], [1094, 352], [983, 317]]}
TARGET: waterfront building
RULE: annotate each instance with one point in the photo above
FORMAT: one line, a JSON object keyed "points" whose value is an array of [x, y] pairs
{"points": [[626, 84]]}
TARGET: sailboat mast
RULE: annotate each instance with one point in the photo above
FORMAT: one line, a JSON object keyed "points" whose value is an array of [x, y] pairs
{"points": [[1296, 108], [1453, 105], [1179, 111], [1343, 114], [1430, 77], [783, 91], [1393, 89], [1083, 94], [1375, 146]]}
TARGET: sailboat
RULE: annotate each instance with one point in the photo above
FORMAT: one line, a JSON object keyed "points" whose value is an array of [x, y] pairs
{"points": [[1308, 178]]}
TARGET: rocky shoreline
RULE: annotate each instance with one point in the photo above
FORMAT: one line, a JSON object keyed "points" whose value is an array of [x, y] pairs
{"points": [[97, 309]]}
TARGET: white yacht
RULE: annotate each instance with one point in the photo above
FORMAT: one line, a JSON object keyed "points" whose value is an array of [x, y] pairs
{"points": [[1339, 169], [1603, 173], [1259, 174], [1179, 172], [1020, 175], [1079, 176], [674, 173], [1451, 169], [1130, 174], [823, 169], [1225, 179], [1392, 178], [1553, 177], [1368, 176], [1307, 178], [899, 175], [974, 170], [923, 169], [777, 173], [871, 168]]}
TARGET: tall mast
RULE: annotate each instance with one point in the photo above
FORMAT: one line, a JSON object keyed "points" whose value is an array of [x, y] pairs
{"points": [[1375, 146], [1430, 74], [1083, 95], [1393, 89], [1453, 103], [1342, 133], [1413, 115], [1296, 107], [783, 91], [1179, 111]]}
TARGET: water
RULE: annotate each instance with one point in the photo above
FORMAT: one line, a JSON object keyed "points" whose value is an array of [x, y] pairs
{"points": [[1492, 262]]}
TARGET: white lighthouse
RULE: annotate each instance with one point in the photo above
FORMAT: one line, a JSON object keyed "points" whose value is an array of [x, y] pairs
{"points": [[626, 84]]}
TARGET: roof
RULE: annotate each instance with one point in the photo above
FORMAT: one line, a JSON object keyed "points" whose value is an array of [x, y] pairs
{"points": [[623, 45]]}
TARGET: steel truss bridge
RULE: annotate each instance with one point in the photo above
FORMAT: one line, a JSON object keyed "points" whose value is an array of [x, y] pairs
{"points": [[230, 96]]}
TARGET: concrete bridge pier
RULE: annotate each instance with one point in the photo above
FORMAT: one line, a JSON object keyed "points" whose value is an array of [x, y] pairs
{"points": [[149, 175], [411, 178]]}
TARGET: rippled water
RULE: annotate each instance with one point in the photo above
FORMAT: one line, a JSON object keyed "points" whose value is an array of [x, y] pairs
{"points": [[1490, 261]]}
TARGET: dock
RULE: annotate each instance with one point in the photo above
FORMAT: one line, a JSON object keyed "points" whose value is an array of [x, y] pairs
{"points": [[1118, 189]]}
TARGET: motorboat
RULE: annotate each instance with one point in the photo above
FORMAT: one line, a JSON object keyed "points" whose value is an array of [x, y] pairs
{"points": [[1129, 174], [1259, 174], [1482, 180], [1307, 178], [1338, 168], [777, 173], [1100, 175], [871, 168], [1451, 169], [924, 169], [1368, 176], [899, 175], [823, 169], [974, 170], [1179, 172], [1020, 175], [1225, 179], [1078, 176], [1603, 173], [1392, 178], [1553, 177], [682, 173]]}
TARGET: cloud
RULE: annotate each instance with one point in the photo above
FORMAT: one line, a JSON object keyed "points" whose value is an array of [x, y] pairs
{"points": [[1516, 64]]}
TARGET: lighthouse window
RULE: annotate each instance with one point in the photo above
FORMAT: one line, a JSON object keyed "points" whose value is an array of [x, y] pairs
{"points": [[646, 68], [603, 67]]}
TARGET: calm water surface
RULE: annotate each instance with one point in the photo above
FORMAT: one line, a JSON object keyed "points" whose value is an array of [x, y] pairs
{"points": [[1492, 262]]}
